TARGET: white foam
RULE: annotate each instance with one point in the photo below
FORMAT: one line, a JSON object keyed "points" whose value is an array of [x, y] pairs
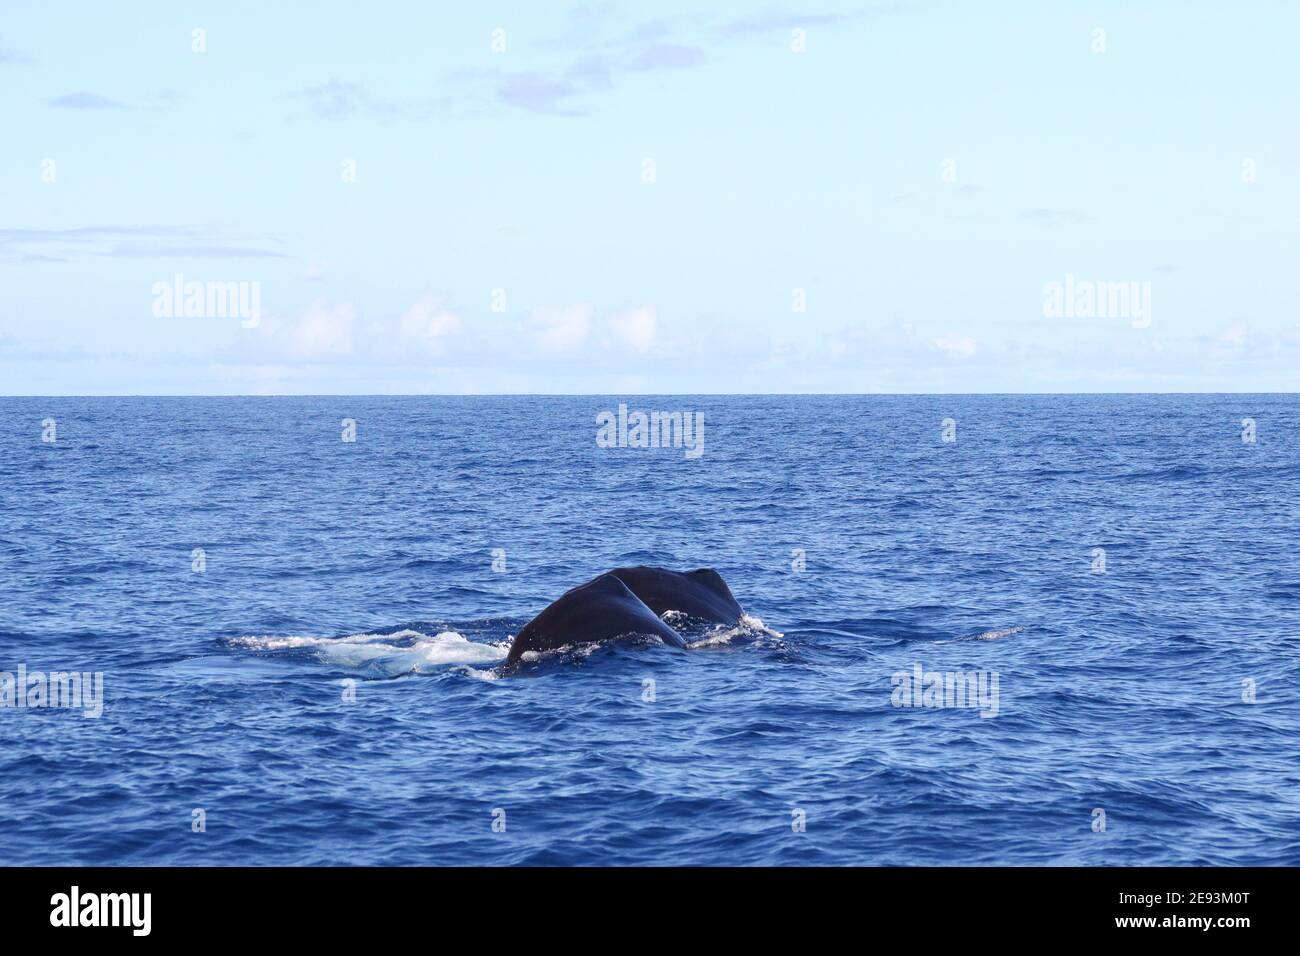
{"points": [[987, 635], [756, 624], [417, 652], [581, 650], [748, 626], [409, 651], [280, 643], [717, 639]]}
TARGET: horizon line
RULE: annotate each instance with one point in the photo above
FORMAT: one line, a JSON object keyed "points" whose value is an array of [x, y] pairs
{"points": [[614, 394]]}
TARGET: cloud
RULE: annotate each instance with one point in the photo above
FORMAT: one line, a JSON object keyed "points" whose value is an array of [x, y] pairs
{"points": [[559, 328], [667, 56], [1054, 217], [134, 242], [91, 232], [334, 98], [635, 328], [596, 51], [578, 330], [426, 325], [11, 57], [538, 92], [597, 65], [87, 101], [767, 23], [44, 348], [898, 356], [897, 342], [1233, 336], [323, 332], [182, 251], [340, 99], [954, 344], [597, 56], [329, 332]]}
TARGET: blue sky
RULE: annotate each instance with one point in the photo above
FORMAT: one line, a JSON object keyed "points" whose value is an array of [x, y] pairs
{"points": [[920, 171]]}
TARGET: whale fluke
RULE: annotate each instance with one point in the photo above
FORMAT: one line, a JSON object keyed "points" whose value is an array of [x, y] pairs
{"points": [[601, 609], [700, 593], [627, 602]]}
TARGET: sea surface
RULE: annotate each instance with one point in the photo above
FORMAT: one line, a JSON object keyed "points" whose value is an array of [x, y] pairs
{"points": [[300, 637]]}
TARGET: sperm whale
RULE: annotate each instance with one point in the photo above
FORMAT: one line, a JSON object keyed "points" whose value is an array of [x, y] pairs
{"points": [[624, 603]]}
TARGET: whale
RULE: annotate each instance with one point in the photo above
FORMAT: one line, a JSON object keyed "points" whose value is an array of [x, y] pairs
{"points": [[699, 594], [627, 603]]}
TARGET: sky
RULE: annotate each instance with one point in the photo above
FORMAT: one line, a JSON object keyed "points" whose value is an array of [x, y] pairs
{"points": [[649, 198]]}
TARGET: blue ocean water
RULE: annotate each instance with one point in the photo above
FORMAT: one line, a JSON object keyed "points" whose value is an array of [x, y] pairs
{"points": [[334, 569]]}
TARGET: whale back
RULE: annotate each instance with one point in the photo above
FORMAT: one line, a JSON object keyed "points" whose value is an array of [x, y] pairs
{"points": [[700, 593], [601, 609]]}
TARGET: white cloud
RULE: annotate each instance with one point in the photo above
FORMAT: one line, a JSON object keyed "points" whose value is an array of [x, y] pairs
{"points": [[323, 332], [329, 332], [559, 328], [426, 325], [1234, 335], [960, 345], [635, 328]]}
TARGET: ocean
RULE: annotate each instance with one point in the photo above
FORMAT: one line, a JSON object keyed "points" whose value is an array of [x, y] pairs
{"points": [[300, 636]]}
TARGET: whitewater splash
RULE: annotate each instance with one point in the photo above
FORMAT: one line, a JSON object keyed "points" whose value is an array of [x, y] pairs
{"points": [[994, 635], [719, 635], [412, 652], [390, 655], [714, 635]]}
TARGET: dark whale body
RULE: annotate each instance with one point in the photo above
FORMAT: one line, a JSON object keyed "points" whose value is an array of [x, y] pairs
{"points": [[627, 602], [701, 593]]}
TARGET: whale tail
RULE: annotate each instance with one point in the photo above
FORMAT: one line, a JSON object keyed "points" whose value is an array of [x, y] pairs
{"points": [[627, 601], [700, 593], [712, 580], [599, 610]]}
